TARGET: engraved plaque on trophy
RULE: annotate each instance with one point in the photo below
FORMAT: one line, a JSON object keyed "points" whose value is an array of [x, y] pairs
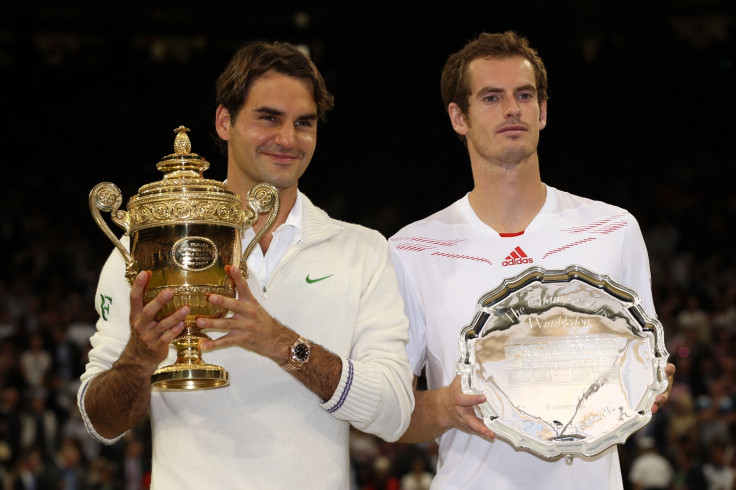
{"points": [[569, 362], [185, 229]]}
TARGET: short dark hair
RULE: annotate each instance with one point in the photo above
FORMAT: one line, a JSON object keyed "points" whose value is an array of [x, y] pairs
{"points": [[256, 58], [455, 83]]}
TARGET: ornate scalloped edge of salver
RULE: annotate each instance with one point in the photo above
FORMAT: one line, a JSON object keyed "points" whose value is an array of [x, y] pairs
{"points": [[630, 300]]}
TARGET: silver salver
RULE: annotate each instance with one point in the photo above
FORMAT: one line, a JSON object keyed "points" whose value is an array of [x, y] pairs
{"points": [[568, 360]]}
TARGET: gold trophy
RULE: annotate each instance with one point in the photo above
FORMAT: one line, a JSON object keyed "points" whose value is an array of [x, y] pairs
{"points": [[185, 229]]}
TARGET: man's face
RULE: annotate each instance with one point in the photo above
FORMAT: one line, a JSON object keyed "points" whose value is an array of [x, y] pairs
{"points": [[504, 118], [275, 133]]}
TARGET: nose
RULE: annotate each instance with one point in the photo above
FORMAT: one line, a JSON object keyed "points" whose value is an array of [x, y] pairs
{"points": [[512, 108], [286, 136]]}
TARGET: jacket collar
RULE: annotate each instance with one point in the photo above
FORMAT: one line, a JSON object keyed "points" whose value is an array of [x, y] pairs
{"points": [[316, 224]]}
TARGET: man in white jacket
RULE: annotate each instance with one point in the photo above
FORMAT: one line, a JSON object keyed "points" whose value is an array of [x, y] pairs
{"points": [[316, 340]]}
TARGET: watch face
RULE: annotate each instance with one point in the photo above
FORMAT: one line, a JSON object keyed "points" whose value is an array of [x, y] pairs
{"points": [[301, 352]]}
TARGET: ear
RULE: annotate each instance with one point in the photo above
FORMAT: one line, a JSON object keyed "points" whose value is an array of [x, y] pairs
{"points": [[543, 114], [457, 118], [222, 123]]}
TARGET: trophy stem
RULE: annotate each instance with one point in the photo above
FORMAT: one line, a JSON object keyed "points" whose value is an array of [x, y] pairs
{"points": [[190, 372]]}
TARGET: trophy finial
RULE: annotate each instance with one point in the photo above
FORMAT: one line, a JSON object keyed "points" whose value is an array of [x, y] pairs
{"points": [[182, 163], [182, 145]]}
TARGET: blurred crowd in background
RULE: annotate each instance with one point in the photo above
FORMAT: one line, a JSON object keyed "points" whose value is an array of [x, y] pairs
{"points": [[47, 317], [656, 146]]}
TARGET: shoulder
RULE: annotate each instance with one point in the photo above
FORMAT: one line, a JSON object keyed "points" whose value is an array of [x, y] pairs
{"points": [[574, 207], [567, 200], [354, 231], [434, 224], [317, 223]]}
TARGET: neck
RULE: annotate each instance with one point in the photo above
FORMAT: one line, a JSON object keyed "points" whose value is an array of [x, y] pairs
{"points": [[287, 197], [508, 197]]}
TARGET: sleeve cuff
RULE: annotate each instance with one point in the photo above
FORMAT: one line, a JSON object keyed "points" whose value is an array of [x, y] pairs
{"points": [[343, 388], [87, 423]]}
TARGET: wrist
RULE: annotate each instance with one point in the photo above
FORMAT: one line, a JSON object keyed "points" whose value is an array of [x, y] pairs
{"points": [[135, 367], [299, 354], [444, 408]]}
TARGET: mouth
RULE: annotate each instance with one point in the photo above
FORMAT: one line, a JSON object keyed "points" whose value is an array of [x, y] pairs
{"points": [[512, 128], [281, 157]]}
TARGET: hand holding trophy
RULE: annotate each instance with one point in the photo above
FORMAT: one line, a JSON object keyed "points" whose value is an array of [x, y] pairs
{"points": [[185, 229]]}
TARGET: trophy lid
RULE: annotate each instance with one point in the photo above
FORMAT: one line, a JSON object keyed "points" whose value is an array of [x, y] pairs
{"points": [[184, 195], [181, 167]]}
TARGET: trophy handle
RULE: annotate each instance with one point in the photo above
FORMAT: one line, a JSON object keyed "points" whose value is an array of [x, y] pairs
{"points": [[107, 197], [261, 198]]}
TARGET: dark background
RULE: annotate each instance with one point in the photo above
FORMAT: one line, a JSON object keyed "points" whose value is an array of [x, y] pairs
{"points": [[641, 99], [640, 115]]}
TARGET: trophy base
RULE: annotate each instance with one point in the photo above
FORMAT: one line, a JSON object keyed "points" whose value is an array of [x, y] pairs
{"points": [[190, 377]]}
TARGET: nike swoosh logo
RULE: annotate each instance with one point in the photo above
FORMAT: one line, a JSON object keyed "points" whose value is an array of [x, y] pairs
{"points": [[312, 281]]}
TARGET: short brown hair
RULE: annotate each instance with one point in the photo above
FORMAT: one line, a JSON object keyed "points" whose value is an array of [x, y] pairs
{"points": [[455, 83], [258, 57]]}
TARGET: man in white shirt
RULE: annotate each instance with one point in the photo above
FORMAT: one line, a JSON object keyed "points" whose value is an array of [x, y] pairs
{"points": [[495, 92]]}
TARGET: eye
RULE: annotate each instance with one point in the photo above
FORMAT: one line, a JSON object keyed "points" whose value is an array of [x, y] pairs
{"points": [[490, 98], [526, 96]]}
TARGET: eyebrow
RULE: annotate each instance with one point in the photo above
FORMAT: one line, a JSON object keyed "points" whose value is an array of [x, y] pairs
{"points": [[312, 116], [495, 90]]}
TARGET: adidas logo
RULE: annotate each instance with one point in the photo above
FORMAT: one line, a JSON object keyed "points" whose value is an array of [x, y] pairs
{"points": [[517, 256]]}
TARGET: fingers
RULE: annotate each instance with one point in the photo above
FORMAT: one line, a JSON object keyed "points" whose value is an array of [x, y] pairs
{"points": [[140, 285], [156, 304], [472, 422], [143, 315], [232, 304], [659, 402], [469, 400], [150, 339], [670, 369], [168, 326], [250, 326], [478, 426], [140, 310], [240, 283], [661, 399], [465, 416], [171, 326], [226, 340]]}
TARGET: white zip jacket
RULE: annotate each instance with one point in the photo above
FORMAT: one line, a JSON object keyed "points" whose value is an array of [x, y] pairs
{"points": [[266, 430]]}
